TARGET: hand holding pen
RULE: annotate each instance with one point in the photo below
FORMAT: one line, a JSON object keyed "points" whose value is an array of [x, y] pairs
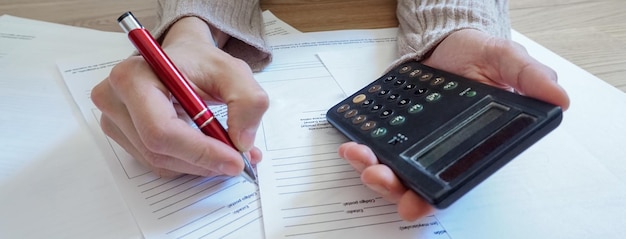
{"points": [[139, 115]]}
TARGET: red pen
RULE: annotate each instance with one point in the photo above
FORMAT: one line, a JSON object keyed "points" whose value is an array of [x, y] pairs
{"points": [[178, 85]]}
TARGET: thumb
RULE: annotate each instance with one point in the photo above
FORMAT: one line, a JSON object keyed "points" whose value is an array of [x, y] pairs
{"points": [[244, 118]]}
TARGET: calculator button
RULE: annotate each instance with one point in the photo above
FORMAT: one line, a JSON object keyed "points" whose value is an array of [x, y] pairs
{"points": [[359, 119], [468, 93], [398, 120], [386, 113], [368, 125], [471, 93], [367, 103], [437, 81], [404, 102], [433, 97], [415, 73], [383, 92], [426, 77], [390, 78], [343, 108], [374, 88], [409, 86], [377, 107], [351, 113], [415, 108], [404, 69], [379, 132], [399, 82], [450, 85], [393, 97], [421, 91], [359, 98]]}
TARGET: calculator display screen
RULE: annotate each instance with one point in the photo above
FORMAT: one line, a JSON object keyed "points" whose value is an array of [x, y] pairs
{"points": [[500, 137], [460, 134]]}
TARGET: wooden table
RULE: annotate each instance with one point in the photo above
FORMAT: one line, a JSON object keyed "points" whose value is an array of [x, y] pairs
{"points": [[589, 33]]}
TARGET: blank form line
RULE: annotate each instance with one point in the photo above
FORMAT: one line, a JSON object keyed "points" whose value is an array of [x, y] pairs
{"points": [[321, 189], [234, 220], [307, 162], [244, 225], [342, 228], [379, 206], [311, 206], [319, 174], [163, 183], [312, 168], [193, 221], [309, 183], [148, 182], [303, 156], [194, 194], [187, 189], [203, 226], [316, 214], [341, 220], [291, 66], [172, 187], [199, 200]]}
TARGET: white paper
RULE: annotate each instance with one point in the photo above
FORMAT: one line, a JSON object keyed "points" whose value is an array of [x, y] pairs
{"points": [[183, 207], [568, 185], [276, 27], [53, 181], [307, 190]]}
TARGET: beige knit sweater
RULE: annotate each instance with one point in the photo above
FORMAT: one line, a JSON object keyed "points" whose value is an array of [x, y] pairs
{"points": [[423, 23]]}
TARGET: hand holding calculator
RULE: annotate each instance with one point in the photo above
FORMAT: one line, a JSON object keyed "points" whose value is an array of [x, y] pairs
{"points": [[440, 133]]}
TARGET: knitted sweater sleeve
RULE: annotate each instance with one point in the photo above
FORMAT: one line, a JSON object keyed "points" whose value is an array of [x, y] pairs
{"points": [[423, 24], [241, 19]]}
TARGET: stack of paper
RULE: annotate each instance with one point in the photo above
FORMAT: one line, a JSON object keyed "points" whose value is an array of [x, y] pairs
{"points": [[571, 184]]}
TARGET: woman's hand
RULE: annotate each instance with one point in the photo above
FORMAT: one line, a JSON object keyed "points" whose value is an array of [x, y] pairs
{"points": [[140, 115], [474, 55]]}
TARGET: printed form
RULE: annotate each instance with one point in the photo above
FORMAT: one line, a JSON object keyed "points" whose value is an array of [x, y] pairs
{"points": [[307, 190], [570, 184], [320, 193], [183, 207]]}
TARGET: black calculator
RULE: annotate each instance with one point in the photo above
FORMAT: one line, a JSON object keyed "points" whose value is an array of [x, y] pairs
{"points": [[441, 134]]}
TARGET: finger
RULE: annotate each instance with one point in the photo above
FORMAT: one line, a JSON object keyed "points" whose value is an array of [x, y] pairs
{"points": [[115, 120], [412, 207], [116, 134], [538, 81], [162, 165], [359, 156], [254, 155], [246, 100], [382, 180], [160, 129], [527, 75]]}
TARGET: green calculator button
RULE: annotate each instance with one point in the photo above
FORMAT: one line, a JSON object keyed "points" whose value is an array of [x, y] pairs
{"points": [[379, 132], [398, 120], [450, 85], [433, 97], [416, 108]]}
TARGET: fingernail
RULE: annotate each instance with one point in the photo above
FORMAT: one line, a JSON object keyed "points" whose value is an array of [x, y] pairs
{"points": [[379, 189], [246, 139]]}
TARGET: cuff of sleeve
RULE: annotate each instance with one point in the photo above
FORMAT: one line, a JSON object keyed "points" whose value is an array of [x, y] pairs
{"points": [[240, 19], [423, 25]]}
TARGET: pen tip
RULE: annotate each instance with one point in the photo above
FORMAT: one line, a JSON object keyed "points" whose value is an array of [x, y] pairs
{"points": [[248, 171]]}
